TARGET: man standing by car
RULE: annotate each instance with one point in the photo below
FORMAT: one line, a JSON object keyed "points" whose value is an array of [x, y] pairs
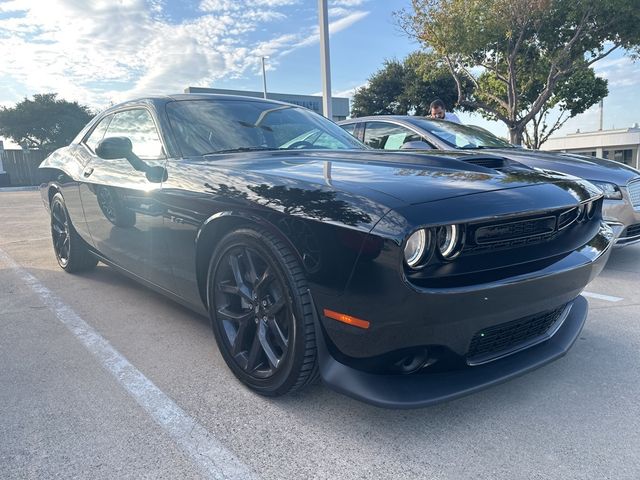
{"points": [[438, 110]]}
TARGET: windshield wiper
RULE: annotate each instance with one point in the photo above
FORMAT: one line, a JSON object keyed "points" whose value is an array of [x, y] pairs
{"points": [[240, 149]]}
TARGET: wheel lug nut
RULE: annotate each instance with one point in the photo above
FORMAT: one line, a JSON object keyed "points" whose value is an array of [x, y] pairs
{"points": [[264, 303]]}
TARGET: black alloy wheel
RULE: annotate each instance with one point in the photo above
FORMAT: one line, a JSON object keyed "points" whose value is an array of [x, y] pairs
{"points": [[261, 312], [71, 251]]}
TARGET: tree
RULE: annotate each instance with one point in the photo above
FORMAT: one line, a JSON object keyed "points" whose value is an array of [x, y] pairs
{"points": [[44, 123], [410, 86], [572, 97], [516, 55]]}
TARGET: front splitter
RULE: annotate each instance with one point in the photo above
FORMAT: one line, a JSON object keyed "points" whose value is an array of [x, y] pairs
{"points": [[422, 390]]}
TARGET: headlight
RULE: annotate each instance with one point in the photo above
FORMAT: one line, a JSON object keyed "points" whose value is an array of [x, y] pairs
{"points": [[611, 190], [586, 211], [416, 247], [449, 241]]}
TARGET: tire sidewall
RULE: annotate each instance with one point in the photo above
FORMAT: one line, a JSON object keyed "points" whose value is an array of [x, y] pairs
{"points": [[59, 199]]}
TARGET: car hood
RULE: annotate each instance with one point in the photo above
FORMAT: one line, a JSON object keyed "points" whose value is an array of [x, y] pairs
{"points": [[589, 168], [407, 178]]}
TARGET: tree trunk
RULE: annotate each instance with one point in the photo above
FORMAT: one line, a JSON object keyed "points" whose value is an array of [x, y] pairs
{"points": [[515, 134]]}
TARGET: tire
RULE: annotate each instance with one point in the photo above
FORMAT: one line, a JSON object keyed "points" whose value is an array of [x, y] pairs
{"points": [[71, 251], [261, 312]]}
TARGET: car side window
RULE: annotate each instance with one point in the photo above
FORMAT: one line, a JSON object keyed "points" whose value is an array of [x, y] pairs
{"points": [[139, 127], [350, 127], [387, 136], [98, 133]]}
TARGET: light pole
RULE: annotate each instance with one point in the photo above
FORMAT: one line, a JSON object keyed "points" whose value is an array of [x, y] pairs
{"points": [[325, 68], [264, 77]]}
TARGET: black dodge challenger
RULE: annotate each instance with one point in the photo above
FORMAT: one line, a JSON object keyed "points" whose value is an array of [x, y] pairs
{"points": [[399, 281]]}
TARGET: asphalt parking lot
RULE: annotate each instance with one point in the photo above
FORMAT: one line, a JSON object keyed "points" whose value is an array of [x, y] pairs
{"points": [[103, 378]]}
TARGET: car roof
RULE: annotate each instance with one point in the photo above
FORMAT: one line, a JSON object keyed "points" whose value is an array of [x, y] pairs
{"points": [[158, 100], [407, 119], [378, 117]]}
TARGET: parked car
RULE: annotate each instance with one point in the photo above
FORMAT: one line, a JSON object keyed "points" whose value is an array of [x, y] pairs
{"points": [[401, 280], [620, 183]]}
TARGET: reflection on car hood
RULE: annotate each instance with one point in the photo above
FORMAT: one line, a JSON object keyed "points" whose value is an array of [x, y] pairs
{"points": [[409, 178], [589, 168]]}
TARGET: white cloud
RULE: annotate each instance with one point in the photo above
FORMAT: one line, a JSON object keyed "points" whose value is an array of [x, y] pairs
{"points": [[620, 72], [107, 51], [334, 27], [236, 5], [338, 12], [347, 3]]}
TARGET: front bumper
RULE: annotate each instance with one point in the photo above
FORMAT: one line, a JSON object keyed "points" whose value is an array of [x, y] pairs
{"points": [[404, 316], [421, 390], [446, 320], [621, 215]]}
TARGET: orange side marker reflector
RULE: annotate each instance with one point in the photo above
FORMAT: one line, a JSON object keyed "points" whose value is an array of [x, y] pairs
{"points": [[348, 319]]}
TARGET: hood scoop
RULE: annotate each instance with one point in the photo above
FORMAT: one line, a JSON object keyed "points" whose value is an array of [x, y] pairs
{"points": [[494, 163], [500, 164]]}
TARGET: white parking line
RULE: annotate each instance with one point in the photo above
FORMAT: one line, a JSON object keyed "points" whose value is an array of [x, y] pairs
{"points": [[211, 456], [600, 296]]}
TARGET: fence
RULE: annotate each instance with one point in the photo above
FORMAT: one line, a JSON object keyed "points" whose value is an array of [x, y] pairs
{"points": [[22, 166]]}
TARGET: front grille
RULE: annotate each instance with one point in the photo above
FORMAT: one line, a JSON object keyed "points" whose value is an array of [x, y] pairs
{"points": [[632, 231], [494, 342], [634, 193], [514, 230], [489, 237], [507, 244]]}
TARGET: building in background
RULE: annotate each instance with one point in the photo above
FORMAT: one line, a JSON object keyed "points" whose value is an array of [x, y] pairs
{"points": [[4, 178], [340, 106], [621, 145]]}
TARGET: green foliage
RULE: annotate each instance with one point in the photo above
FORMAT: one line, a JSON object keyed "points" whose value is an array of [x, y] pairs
{"points": [[571, 97], [400, 88], [44, 123], [579, 92], [519, 57]]}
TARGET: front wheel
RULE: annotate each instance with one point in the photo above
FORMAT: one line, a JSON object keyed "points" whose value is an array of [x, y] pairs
{"points": [[71, 251], [261, 312]]}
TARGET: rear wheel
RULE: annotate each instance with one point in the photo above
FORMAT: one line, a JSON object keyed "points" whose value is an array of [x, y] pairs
{"points": [[71, 251], [261, 312]]}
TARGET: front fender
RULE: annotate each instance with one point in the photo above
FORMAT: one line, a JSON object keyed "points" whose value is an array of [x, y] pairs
{"points": [[327, 253]]}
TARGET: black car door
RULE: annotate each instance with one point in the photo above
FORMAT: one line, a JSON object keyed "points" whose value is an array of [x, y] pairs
{"points": [[121, 205]]}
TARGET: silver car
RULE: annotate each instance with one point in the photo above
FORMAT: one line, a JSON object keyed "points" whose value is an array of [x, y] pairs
{"points": [[620, 183]]}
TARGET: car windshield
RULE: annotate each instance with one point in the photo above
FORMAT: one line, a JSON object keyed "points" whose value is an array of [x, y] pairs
{"points": [[205, 127], [461, 136]]}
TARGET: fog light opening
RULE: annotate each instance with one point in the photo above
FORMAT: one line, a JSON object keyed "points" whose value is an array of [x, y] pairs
{"points": [[413, 362]]}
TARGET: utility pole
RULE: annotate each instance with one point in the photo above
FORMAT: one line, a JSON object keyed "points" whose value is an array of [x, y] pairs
{"points": [[325, 67], [264, 78], [601, 113]]}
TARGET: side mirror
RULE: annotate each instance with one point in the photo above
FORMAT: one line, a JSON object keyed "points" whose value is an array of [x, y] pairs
{"points": [[416, 145], [120, 147], [114, 147]]}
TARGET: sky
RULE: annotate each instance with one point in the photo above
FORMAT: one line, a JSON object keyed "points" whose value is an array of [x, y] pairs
{"points": [[106, 51]]}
